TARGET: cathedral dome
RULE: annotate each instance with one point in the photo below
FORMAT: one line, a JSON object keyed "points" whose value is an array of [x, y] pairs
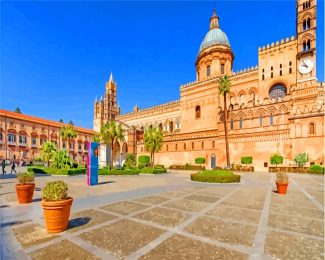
{"points": [[215, 36]]}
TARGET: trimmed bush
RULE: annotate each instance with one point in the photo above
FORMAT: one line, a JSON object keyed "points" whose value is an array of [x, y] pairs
{"points": [[200, 160], [215, 176], [25, 178], [45, 170], [151, 170], [316, 168], [187, 167], [144, 159], [246, 160], [106, 171], [276, 159]]}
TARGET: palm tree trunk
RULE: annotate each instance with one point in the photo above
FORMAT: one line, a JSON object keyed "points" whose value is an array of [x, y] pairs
{"points": [[153, 158], [226, 130], [111, 164]]}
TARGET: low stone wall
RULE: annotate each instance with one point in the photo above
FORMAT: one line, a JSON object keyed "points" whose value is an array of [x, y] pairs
{"points": [[293, 169]]}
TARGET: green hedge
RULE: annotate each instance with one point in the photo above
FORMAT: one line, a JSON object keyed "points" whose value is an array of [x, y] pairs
{"points": [[200, 160], [106, 171], [46, 170], [215, 176], [155, 170], [144, 159], [246, 159], [316, 168]]}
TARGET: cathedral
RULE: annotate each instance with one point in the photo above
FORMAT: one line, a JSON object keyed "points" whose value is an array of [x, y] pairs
{"points": [[274, 107]]}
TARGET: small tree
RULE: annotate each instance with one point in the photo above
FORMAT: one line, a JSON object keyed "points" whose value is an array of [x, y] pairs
{"points": [[301, 159], [130, 160], [200, 160], [96, 138], [276, 159], [70, 122], [61, 121], [153, 139], [62, 160], [68, 132], [246, 160], [48, 150]]}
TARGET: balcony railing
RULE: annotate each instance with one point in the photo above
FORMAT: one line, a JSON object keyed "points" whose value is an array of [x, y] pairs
{"points": [[34, 145], [22, 144], [11, 143], [71, 149]]}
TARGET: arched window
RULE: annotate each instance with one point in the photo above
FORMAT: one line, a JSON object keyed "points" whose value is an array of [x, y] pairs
{"points": [[308, 24], [184, 146], [277, 91], [271, 119], [242, 99], [160, 126], [192, 145], [271, 71], [262, 74], [197, 112], [167, 147], [213, 144], [171, 126], [202, 145], [240, 123], [312, 129], [231, 124], [261, 120], [176, 147], [231, 107], [290, 68], [208, 72], [308, 45], [304, 46], [280, 69]]}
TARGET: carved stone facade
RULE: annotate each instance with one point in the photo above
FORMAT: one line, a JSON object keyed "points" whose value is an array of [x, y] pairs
{"points": [[274, 107]]}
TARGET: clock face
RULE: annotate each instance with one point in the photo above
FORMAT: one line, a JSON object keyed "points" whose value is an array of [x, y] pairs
{"points": [[306, 66]]}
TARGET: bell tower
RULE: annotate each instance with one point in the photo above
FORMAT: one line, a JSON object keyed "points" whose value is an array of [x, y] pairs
{"points": [[306, 40]]}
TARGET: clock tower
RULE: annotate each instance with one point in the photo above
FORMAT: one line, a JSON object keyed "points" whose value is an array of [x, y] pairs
{"points": [[306, 40]]}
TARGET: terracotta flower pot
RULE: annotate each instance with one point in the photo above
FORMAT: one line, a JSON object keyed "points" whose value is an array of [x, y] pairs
{"points": [[25, 192], [282, 187], [56, 214]]}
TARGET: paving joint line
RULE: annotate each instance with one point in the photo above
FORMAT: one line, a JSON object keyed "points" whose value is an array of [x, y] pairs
{"points": [[147, 248], [294, 233]]}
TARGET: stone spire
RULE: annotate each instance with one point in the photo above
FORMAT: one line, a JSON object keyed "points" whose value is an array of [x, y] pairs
{"points": [[111, 78]]}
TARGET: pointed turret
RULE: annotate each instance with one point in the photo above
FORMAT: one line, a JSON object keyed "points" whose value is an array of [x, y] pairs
{"points": [[111, 78]]}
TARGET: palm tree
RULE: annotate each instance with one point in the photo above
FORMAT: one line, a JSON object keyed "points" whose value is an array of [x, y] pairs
{"points": [[96, 138], [68, 132], [224, 88], [110, 132], [61, 160], [153, 139], [120, 138], [48, 151], [17, 110]]}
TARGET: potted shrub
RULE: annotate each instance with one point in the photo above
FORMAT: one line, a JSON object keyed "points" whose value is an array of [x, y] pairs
{"points": [[25, 187], [56, 206], [282, 182]]}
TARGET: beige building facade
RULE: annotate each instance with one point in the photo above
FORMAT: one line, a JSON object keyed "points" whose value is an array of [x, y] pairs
{"points": [[22, 136], [274, 107]]}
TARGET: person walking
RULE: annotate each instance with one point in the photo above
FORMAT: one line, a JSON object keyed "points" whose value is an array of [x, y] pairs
{"points": [[3, 165], [13, 166]]}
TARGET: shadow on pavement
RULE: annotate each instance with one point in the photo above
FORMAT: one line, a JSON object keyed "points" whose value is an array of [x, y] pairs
{"points": [[105, 182], [77, 222], [6, 224]]}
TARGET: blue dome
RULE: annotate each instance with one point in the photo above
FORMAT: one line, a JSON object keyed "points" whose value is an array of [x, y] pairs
{"points": [[214, 36]]}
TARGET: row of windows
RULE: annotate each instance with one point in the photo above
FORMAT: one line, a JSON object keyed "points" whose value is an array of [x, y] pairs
{"points": [[208, 69], [280, 71], [192, 146], [305, 5], [241, 122]]}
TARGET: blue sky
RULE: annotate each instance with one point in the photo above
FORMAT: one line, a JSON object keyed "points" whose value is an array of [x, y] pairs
{"points": [[56, 56]]}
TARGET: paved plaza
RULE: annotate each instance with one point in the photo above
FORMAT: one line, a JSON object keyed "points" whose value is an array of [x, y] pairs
{"points": [[169, 217]]}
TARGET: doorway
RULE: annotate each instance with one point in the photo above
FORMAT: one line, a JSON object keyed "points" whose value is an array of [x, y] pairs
{"points": [[213, 161]]}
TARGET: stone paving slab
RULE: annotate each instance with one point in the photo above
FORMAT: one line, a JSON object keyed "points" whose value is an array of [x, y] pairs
{"points": [[62, 250], [243, 203], [296, 211], [125, 207], [285, 246], [223, 231], [122, 238], [152, 200], [163, 216], [87, 218], [283, 200], [237, 214], [32, 234], [187, 205], [297, 224], [180, 247], [202, 198]]}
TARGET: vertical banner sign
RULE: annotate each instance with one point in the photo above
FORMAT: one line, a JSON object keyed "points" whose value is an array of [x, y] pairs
{"points": [[92, 163]]}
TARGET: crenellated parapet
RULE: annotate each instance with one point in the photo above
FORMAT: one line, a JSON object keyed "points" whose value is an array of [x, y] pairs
{"points": [[243, 71], [278, 44]]}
